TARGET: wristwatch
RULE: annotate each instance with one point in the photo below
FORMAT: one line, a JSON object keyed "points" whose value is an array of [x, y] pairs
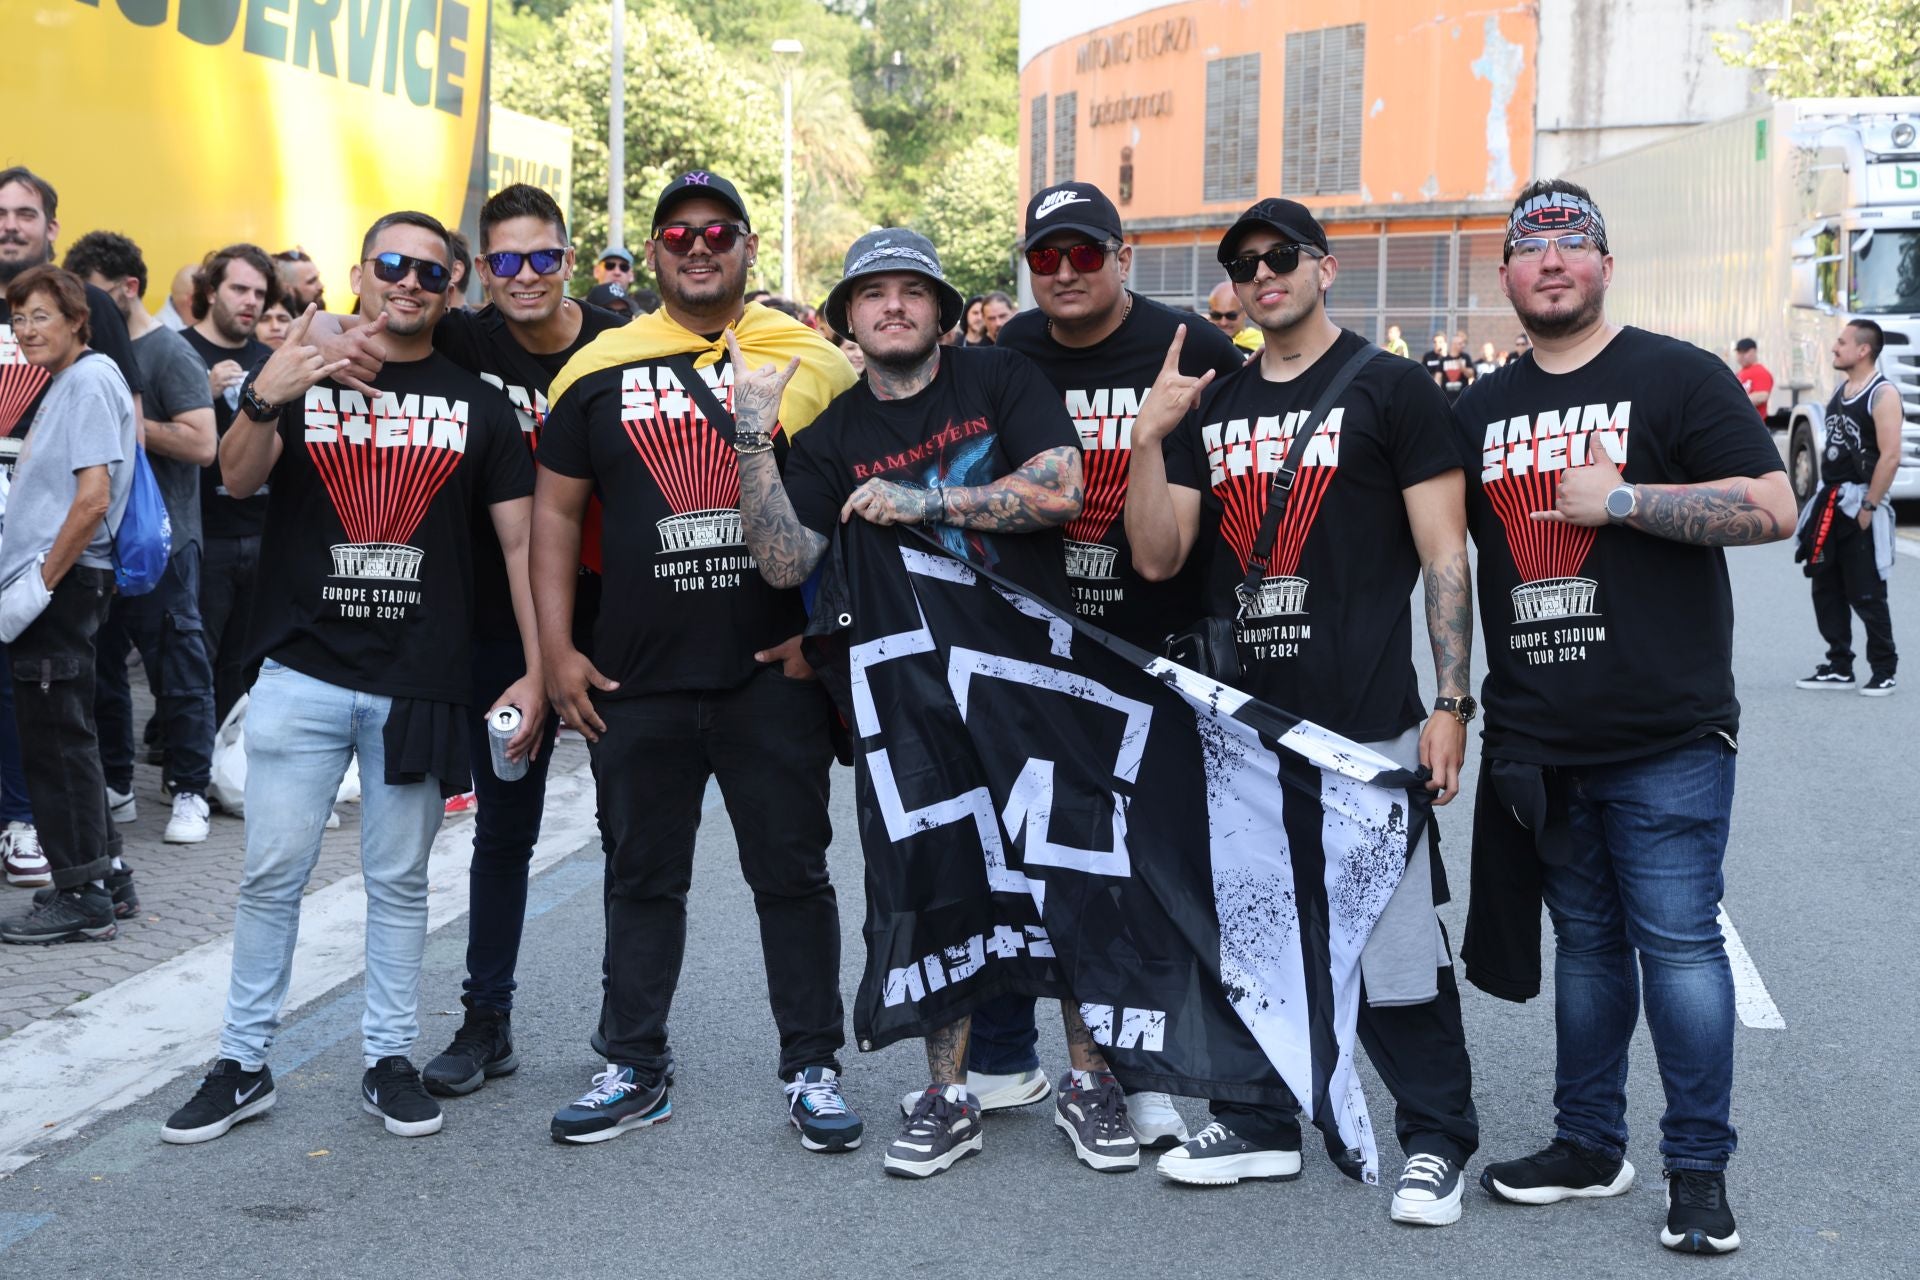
{"points": [[1622, 502], [1463, 706], [252, 405]]}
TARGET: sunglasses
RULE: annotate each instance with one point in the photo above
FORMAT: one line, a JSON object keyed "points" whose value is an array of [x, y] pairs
{"points": [[291, 255], [1222, 315], [392, 268], [606, 264], [1086, 259], [1531, 248], [678, 240], [1281, 260], [505, 266]]}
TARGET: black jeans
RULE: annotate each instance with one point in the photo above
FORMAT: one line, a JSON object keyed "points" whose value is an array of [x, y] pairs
{"points": [[766, 742], [164, 625], [1847, 584], [52, 663], [505, 827], [1420, 1051], [226, 603]]}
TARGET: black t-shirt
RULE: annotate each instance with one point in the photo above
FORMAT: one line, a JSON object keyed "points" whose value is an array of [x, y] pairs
{"points": [[480, 342], [366, 566], [23, 385], [984, 415], [683, 606], [1453, 371], [1331, 637], [1606, 643], [1852, 447], [222, 515], [1103, 386]]}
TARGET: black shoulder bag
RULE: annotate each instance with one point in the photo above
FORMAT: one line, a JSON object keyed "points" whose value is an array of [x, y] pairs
{"points": [[1208, 645]]}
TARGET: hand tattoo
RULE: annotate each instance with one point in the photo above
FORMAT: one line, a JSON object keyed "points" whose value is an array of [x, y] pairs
{"points": [[1043, 494], [786, 549], [1719, 515], [947, 1052], [1449, 594]]}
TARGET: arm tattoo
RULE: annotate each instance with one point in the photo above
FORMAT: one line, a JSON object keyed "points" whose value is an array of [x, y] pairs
{"points": [[947, 1052], [786, 549], [1449, 594], [1705, 515], [1044, 493], [1082, 1052]]}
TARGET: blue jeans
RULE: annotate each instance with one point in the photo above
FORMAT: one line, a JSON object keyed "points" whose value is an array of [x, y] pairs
{"points": [[1003, 1040], [14, 805], [164, 625], [1644, 880], [301, 732]]}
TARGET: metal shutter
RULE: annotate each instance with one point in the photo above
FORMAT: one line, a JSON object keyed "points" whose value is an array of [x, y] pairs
{"points": [[1037, 135], [1323, 110], [1065, 108], [1231, 161]]}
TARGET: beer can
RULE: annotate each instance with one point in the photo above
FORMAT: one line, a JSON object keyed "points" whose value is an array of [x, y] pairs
{"points": [[502, 724]]}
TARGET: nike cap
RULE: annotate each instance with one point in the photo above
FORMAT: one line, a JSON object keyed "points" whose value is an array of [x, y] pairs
{"points": [[1071, 206]]}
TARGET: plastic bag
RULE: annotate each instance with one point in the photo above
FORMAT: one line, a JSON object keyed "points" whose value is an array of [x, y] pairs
{"points": [[228, 785]]}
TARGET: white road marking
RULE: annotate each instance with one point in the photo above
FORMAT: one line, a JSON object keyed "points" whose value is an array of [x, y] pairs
{"points": [[66, 1071], [1750, 999]]}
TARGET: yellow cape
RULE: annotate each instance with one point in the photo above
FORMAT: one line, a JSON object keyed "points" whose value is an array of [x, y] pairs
{"points": [[765, 336], [1250, 339]]}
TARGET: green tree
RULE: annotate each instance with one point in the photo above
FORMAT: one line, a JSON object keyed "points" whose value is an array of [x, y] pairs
{"points": [[1836, 48], [971, 213]]}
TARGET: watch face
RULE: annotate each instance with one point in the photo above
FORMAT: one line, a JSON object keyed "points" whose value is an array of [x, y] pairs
{"points": [[1467, 707], [1620, 503]]}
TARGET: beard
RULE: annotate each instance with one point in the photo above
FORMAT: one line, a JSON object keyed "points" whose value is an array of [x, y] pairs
{"points": [[11, 267], [1556, 324], [901, 360], [725, 288], [228, 324]]}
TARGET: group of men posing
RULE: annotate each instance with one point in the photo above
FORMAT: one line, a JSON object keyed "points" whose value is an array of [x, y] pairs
{"points": [[646, 581]]}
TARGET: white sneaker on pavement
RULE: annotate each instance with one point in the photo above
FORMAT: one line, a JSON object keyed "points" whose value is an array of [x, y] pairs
{"points": [[1155, 1122], [26, 866], [121, 806], [189, 824], [996, 1092]]}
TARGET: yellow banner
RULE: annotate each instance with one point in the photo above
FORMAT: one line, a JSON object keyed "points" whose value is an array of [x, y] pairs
{"points": [[190, 124], [526, 149]]}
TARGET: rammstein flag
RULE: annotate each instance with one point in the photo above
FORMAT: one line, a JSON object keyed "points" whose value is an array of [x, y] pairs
{"points": [[1050, 811]]}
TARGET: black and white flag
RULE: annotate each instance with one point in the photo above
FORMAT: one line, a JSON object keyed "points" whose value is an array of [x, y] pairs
{"points": [[1050, 811]]}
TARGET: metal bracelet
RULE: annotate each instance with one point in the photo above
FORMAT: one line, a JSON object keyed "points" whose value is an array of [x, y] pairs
{"points": [[752, 442]]}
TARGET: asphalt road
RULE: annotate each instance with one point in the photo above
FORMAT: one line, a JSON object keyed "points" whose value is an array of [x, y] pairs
{"points": [[1821, 885]]}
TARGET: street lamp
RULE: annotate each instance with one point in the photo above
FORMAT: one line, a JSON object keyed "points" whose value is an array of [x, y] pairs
{"points": [[786, 53], [617, 132]]}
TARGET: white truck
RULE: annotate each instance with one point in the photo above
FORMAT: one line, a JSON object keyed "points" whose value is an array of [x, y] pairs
{"points": [[1778, 225]]}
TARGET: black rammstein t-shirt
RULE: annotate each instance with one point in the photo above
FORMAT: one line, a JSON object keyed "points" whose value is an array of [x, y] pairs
{"points": [[225, 516]]}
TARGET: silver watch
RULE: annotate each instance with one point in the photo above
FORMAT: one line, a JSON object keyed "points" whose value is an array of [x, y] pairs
{"points": [[1622, 502]]}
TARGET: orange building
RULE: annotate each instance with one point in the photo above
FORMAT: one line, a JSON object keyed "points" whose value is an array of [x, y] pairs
{"points": [[1406, 134]]}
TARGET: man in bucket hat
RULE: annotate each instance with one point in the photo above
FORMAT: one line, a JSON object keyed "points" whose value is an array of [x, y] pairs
{"points": [[975, 445]]}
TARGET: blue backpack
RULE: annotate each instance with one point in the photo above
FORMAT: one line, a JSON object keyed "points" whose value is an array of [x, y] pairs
{"points": [[144, 540]]}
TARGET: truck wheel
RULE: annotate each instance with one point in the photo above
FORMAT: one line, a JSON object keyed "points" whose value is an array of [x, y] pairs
{"points": [[1800, 464]]}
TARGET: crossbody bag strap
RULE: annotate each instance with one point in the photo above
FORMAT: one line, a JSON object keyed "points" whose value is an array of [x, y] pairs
{"points": [[1281, 491], [696, 386]]}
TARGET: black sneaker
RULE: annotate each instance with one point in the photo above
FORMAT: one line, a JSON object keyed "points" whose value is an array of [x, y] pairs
{"points": [[1564, 1171], [126, 902], [482, 1048], [1428, 1194], [944, 1128], [1699, 1220], [227, 1096], [1218, 1157], [1094, 1118], [1879, 686], [619, 1100], [820, 1112], [391, 1090], [71, 915], [1826, 676]]}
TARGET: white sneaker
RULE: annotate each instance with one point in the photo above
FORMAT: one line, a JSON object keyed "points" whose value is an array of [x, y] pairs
{"points": [[1155, 1122], [333, 820], [994, 1092], [26, 866], [120, 806], [1428, 1194], [189, 824]]}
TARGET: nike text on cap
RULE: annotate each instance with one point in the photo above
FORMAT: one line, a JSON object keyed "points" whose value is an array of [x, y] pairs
{"points": [[1071, 206], [698, 182], [1286, 217]]}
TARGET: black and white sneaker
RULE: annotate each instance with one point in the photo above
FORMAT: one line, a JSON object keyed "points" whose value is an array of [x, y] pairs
{"points": [[1219, 1157], [391, 1089], [126, 899], [1563, 1171], [1428, 1193], [227, 1096], [1826, 676], [482, 1048], [1093, 1115], [1699, 1220], [1879, 686], [69, 915], [619, 1100], [994, 1092], [944, 1128], [820, 1112]]}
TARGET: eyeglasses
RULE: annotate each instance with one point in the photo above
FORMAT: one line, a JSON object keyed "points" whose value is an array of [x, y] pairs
{"points": [[1086, 258], [1532, 248], [36, 320], [392, 268], [1222, 315], [505, 266], [1281, 260], [678, 239]]}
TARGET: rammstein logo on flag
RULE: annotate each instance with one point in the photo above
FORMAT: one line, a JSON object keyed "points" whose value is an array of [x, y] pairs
{"points": [[1048, 810]]}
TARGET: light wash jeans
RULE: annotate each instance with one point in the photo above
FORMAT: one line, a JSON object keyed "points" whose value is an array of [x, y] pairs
{"points": [[301, 732]]}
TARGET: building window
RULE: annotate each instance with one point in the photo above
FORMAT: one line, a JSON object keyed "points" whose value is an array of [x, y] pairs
{"points": [[1065, 108], [1165, 273], [1231, 163], [1323, 110], [1037, 135]]}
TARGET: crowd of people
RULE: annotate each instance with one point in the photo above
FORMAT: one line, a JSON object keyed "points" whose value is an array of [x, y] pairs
{"points": [[365, 546]]}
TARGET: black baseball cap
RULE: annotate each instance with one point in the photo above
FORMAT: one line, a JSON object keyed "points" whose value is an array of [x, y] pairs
{"points": [[1287, 217], [610, 297], [698, 182], [1746, 344], [1071, 206]]}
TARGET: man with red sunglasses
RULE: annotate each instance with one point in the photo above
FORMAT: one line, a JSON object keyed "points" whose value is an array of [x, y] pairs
{"points": [[1101, 346]]}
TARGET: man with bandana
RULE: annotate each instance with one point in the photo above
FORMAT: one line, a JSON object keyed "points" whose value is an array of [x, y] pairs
{"points": [[1605, 474]]}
